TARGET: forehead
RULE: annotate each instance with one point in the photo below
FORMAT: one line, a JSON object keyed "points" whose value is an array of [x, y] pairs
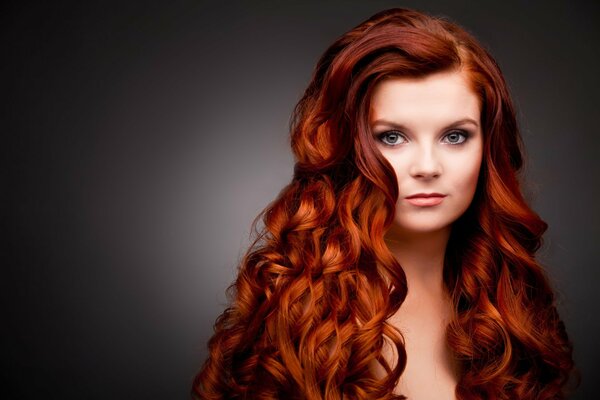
{"points": [[440, 96]]}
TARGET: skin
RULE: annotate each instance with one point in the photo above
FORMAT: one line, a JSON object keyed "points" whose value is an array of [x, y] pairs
{"points": [[429, 130]]}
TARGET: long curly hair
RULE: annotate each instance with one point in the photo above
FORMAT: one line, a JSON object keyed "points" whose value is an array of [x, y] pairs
{"points": [[309, 308]]}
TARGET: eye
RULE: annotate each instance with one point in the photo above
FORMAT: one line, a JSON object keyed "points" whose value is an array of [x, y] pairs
{"points": [[456, 137], [391, 138]]}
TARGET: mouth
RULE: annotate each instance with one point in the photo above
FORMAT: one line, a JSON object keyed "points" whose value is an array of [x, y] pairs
{"points": [[425, 199]]}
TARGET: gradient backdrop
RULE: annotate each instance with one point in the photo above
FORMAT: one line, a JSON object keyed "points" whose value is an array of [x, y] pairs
{"points": [[140, 139]]}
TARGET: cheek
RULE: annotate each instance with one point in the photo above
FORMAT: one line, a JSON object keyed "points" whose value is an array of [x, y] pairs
{"points": [[400, 164], [469, 174]]}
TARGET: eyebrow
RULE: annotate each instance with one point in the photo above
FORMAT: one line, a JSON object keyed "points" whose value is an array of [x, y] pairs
{"points": [[396, 125]]}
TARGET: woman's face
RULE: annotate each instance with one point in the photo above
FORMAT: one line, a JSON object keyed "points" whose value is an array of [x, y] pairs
{"points": [[429, 130]]}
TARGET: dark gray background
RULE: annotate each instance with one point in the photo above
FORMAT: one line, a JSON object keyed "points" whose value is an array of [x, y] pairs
{"points": [[139, 140]]}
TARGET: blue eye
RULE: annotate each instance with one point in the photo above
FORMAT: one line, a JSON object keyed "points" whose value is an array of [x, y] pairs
{"points": [[392, 138], [455, 137]]}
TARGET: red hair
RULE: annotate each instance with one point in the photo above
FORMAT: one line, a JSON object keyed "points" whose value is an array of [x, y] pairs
{"points": [[309, 307]]}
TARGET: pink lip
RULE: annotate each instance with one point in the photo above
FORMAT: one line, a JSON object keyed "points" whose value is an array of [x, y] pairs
{"points": [[425, 199]]}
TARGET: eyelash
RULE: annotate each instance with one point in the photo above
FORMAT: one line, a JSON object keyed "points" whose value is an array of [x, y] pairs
{"points": [[465, 134]]}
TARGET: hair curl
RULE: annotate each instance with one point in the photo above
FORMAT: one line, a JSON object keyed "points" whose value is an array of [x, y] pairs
{"points": [[309, 306]]}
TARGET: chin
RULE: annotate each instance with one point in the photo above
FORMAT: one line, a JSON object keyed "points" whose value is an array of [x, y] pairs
{"points": [[420, 227]]}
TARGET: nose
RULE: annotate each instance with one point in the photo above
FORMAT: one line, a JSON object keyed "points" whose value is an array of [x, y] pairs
{"points": [[425, 164]]}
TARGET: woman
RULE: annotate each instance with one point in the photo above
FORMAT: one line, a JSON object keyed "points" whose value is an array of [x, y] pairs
{"points": [[400, 259]]}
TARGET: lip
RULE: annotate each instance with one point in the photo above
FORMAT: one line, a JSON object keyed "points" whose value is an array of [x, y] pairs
{"points": [[425, 199]]}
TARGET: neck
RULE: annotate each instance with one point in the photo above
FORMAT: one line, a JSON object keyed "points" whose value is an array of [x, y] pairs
{"points": [[422, 259]]}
